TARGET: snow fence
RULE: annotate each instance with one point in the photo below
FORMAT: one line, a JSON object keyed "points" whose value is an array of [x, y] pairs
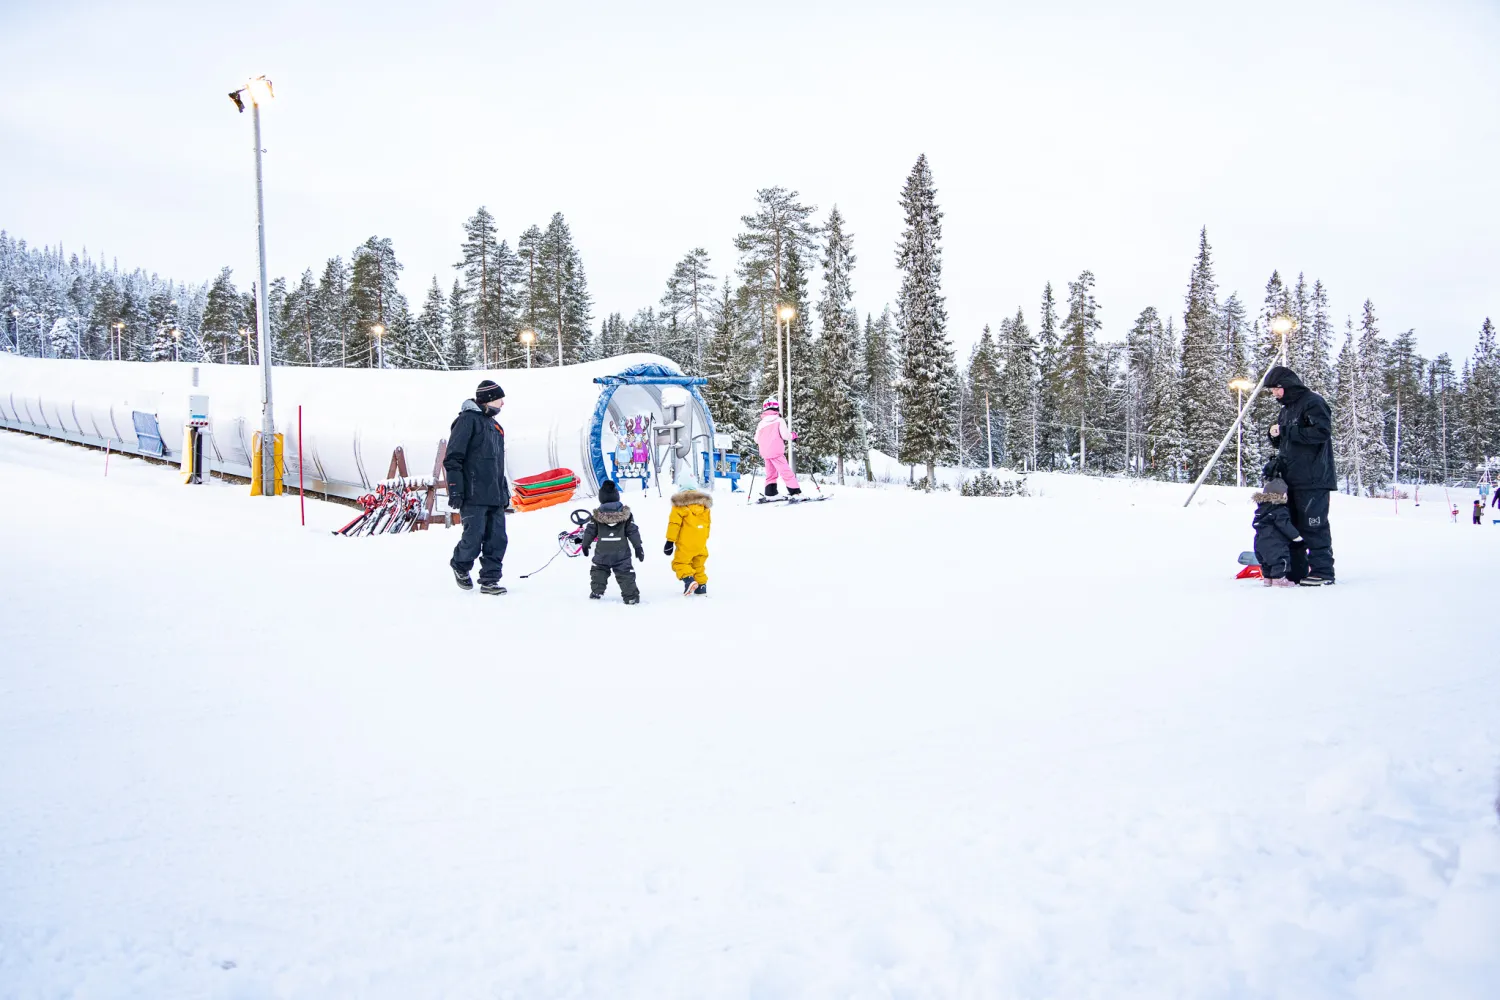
{"points": [[354, 418]]}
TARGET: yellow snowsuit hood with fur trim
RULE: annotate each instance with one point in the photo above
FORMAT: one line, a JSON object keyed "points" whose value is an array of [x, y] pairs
{"points": [[688, 528]]}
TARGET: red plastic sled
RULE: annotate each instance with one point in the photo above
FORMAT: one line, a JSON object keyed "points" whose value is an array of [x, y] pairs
{"points": [[1248, 573]]}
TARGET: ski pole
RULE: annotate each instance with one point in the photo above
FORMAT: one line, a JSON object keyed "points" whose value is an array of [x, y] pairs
{"points": [[750, 493]]}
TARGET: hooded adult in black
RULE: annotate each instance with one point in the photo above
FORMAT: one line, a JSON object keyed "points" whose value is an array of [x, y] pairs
{"points": [[1303, 434], [475, 466]]}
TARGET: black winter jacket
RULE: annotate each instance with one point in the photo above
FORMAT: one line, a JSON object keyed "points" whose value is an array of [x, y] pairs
{"points": [[1306, 440], [612, 534], [475, 462], [1274, 533]]}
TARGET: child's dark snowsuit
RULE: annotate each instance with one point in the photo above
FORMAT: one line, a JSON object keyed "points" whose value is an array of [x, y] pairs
{"points": [[613, 534], [1478, 511], [1274, 533]]}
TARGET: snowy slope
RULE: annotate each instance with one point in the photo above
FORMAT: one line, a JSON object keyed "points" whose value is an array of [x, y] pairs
{"points": [[917, 746]]}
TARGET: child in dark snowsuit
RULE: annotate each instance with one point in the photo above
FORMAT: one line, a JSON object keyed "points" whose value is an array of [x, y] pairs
{"points": [[1274, 534], [612, 530], [1478, 511]]}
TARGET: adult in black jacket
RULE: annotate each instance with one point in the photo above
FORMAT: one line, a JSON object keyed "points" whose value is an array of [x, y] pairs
{"points": [[475, 465], [1303, 433]]}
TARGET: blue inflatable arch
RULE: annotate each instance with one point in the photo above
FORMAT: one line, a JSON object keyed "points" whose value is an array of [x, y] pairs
{"points": [[651, 377]]}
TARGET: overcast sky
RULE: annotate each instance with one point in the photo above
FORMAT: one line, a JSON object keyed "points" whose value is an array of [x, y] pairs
{"points": [[1357, 142]]}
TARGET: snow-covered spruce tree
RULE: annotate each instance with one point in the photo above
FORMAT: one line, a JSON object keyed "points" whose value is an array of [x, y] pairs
{"points": [[1018, 393], [802, 354], [880, 370], [1317, 343], [1265, 348], [428, 349], [980, 434], [1402, 376], [1440, 395], [463, 352], [1079, 394], [294, 329], [1238, 334], [223, 319], [929, 377], [1050, 420], [482, 272], [728, 360], [1208, 408], [687, 301], [1140, 363], [1165, 434], [563, 304], [836, 425], [333, 315], [374, 297], [1375, 457], [1482, 398]]}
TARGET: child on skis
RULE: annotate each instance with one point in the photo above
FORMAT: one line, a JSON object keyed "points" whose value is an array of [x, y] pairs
{"points": [[771, 437], [687, 534], [1274, 534], [612, 531]]}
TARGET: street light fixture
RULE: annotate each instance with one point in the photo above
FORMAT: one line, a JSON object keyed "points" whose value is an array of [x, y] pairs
{"points": [[259, 91], [1282, 326], [119, 344], [528, 337], [1239, 385], [379, 331]]}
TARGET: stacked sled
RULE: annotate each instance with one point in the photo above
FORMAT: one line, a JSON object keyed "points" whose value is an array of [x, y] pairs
{"points": [[545, 489]]}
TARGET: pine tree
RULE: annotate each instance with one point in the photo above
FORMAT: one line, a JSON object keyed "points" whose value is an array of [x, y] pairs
{"points": [[1403, 389], [462, 351], [836, 424], [375, 300], [1207, 408], [481, 269], [1238, 336], [929, 378], [729, 394], [1079, 393], [979, 434], [880, 374], [1019, 391], [1317, 343], [1052, 443], [333, 315], [1166, 432], [223, 319], [1482, 398], [1442, 418], [778, 228], [295, 330], [561, 298], [1140, 373], [431, 330], [690, 290]]}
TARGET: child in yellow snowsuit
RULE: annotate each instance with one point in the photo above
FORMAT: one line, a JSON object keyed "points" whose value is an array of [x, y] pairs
{"points": [[687, 532]]}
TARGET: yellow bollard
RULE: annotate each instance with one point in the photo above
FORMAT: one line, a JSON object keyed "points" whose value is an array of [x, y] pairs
{"points": [[255, 476]]}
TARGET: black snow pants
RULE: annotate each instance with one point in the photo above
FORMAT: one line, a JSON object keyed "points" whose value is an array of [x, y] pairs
{"points": [[1313, 556], [624, 575], [484, 533]]}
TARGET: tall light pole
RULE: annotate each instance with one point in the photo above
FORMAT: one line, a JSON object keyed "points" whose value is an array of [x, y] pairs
{"points": [[1239, 385], [119, 345], [258, 89], [378, 332], [528, 337], [785, 313], [176, 345]]}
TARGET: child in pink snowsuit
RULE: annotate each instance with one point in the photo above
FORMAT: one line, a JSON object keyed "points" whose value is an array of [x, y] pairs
{"points": [[771, 438]]}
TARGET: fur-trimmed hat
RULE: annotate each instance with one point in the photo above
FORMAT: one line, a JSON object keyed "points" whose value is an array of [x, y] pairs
{"points": [[488, 392], [1274, 486]]}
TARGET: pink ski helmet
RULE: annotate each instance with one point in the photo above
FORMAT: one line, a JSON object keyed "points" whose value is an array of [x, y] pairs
{"points": [[771, 404]]}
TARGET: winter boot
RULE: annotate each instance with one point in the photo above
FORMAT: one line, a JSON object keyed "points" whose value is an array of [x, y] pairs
{"points": [[596, 597], [1267, 582], [1314, 581], [1280, 581], [491, 588], [633, 600], [688, 585], [462, 579], [701, 591], [770, 489], [792, 491]]}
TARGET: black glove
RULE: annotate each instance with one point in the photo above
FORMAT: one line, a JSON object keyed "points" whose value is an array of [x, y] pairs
{"points": [[584, 550], [640, 555], [455, 500], [666, 549]]}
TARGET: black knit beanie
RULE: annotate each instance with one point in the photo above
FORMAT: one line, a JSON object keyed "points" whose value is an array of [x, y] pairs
{"points": [[488, 392], [609, 492]]}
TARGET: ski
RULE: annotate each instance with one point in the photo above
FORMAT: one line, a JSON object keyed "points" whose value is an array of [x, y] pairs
{"points": [[792, 500]]}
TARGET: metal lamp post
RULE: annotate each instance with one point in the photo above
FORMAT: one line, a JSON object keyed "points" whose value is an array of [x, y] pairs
{"points": [[378, 331], [528, 337], [1239, 385], [785, 313], [259, 90], [176, 345]]}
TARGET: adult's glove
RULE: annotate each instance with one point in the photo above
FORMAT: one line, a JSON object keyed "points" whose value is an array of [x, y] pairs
{"points": [[666, 549], [455, 500]]}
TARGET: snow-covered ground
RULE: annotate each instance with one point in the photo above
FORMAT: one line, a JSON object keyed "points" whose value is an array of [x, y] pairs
{"points": [[910, 746]]}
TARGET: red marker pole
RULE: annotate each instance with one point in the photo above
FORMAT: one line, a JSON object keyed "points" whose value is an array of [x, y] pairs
{"points": [[301, 493]]}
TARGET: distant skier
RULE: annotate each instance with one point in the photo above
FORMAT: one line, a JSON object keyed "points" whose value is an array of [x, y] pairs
{"points": [[1478, 511], [771, 437], [687, 534], [1274, 534], [611, 531], [1303, 433], [475, 465]]}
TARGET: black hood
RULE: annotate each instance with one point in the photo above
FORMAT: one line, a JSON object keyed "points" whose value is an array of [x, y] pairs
{"points": [[1282, 377]]}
